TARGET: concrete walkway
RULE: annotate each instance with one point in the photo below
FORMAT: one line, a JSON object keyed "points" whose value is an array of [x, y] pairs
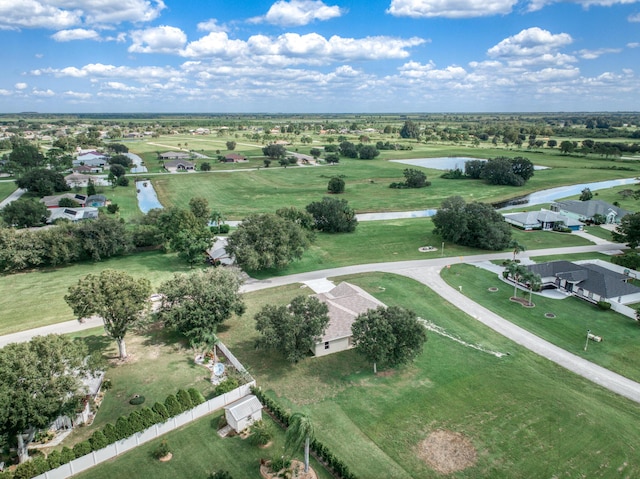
{"points": [[12, 197]]}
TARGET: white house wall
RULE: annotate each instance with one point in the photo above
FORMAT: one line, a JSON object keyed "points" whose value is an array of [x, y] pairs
{"points": [[337, 345]]}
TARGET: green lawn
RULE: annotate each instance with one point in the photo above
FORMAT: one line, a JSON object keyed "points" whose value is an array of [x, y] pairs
{"points": [[618, 351], [6, 188], [525, 416], [197, 452], [36, 298]]}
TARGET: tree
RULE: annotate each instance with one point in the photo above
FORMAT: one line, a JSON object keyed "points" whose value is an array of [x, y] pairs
{"points": [[117, 170], [332, 159], [586, 194], [205, 166], [409, 130], [348, 149], [473, 169], [121, 160], [476, 225], [332, 215], [117, 297], [91, 188], [43, 182], [200, 208], [300, 431], [315, 152], [522, 167], [499, 171], [192, 244], [25, 157], [552, 143], [267, 241], [390, 336], [336, 185], [298, 216], [25, 213], [516, 272], [292, 330], [231, 145], [39, 381], [195, 304], [368, 152], [516, 247], [414, 178], [567, 146], [274, 152], [628, 231]]}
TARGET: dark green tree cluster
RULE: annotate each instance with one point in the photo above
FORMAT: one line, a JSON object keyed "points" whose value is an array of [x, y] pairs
{"points": [[42, 182], [364, 152], [410, 130], [628, 231], [501, 171], [476, 225], [389, 336], [412, 179], [333, 215], [25, 213]]}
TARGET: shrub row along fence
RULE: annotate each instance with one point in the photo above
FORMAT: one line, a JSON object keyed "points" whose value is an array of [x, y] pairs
{"points": [[131, 431], [321, 452]]}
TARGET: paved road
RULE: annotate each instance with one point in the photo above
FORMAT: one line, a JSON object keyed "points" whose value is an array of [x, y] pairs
{"points": [[428, 273], [12, 197]]}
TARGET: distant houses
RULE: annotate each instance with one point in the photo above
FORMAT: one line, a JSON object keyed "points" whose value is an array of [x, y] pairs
{"points": [[53, 201], [174, 166], [73, 214], [585, 211], [542, 220], [174, 155]]}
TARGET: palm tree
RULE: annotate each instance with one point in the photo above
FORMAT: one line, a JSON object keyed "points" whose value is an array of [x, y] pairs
{"points": [[517, 248], [300, 431], [515, 271], [534, 281]]}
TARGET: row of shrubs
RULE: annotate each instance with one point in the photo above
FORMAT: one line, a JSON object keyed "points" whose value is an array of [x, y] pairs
{"points": [[319, 450], [125, 426]]}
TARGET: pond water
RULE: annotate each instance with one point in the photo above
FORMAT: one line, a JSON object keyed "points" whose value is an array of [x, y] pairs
{"points": [[147, 198], [447, 163], [137, 161]]}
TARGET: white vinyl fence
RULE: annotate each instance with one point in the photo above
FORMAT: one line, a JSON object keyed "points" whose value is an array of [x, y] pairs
{"points": [[119, 447]]}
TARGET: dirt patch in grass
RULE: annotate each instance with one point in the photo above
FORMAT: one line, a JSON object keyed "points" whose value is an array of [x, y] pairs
{"points": [[524, 302], [447, 451]]}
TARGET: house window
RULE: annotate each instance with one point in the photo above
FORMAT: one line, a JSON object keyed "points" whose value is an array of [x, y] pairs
{"points": [[326, 345]]}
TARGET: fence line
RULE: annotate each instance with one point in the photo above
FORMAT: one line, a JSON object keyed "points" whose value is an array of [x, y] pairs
{"points": [[119, 447]]}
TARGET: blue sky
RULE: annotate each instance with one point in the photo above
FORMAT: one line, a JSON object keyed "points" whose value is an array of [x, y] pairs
{"points": [[319, 56]]}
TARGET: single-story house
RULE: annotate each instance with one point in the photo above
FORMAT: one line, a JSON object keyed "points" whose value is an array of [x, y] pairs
{"points": [[179, 165], [73, 214], [53, 201], [586, 210], [87, 169], [217, 254], [542, 220], [78, 179], [96, 201], [91, 159], [587, 281], [345, 302], [174, 155], [243, 413], [234, 158]]}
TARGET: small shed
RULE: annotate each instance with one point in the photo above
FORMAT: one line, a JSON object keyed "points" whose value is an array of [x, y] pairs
{"points": [[242, 413]]}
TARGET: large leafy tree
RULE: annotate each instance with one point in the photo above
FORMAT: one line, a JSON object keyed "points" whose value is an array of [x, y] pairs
{"points": [[390, 336], [200, 208], [191, 245], [39, 381], [414, 178], [333, 215], [267, 241], [628, 231], [24, 157], [25, 213], [300, 431], [409, 130], [120, 299], [275, 152], [293, 329], [476, 225], [195, 304], [43, 182]]}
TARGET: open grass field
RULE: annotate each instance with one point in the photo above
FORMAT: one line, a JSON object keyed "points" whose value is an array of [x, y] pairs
{"points": [[618, 352], [525, 416], [197, 452], [34, 299], [6, 188]]}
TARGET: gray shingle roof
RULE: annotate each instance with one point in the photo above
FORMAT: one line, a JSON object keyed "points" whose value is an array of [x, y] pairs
{"points": [[590, 208]]}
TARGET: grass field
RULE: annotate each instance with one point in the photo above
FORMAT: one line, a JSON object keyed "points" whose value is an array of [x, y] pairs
{"points": [[6, 188], [567, 330], [525, 416]]}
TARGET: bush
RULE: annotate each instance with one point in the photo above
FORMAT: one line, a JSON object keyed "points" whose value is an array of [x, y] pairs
{"points": [[280, 463], [109, 431], [184, 399], [149, 417], [336, 185], [261, 433], [98, 440], [136, 400], [54, 459], [113, 208], [196, 396], [162, 450], [123, 181], [604, 305], [220, 475], [161, 410], [68, 203], [82, 449], [225, 386], [106, 384], [173, 406], [123, 428], [136, 422], [66, 455]]}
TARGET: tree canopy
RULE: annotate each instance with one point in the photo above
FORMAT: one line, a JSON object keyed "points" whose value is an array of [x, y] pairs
{"points": [[476, 225], [39, 381], [195, 304], [300, 431], [43, 182], [274, 151], [414, 178], [25, 213], [333, 215], [267, 240], [293, 330], [391, 336], [628, 231], [335, 185], [117, 297], [409, 130]]}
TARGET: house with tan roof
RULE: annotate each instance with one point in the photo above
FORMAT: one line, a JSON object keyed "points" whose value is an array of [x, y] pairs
{"points": [[345, 302]]}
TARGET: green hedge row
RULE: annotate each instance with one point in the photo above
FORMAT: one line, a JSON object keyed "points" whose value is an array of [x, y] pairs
{"points": [[125, 426], [319, 450]]}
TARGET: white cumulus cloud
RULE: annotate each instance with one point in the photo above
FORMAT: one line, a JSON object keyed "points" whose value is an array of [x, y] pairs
{"points": [[529, 42], [593, 54], [162, 39], [75, 34], [450, 8], [295, 13], [635, 18], [21, 86], [211, 25]]}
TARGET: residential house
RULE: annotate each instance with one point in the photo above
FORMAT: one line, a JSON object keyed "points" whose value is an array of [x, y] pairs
{"points": [[78, 179], [53, 201], [92, 158], [174, 155], [542, 220], [234, 158], [243, 413], [73, 214], [85, 169], [587, 281], [585, 210], [345, 302], [179, 165]]}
